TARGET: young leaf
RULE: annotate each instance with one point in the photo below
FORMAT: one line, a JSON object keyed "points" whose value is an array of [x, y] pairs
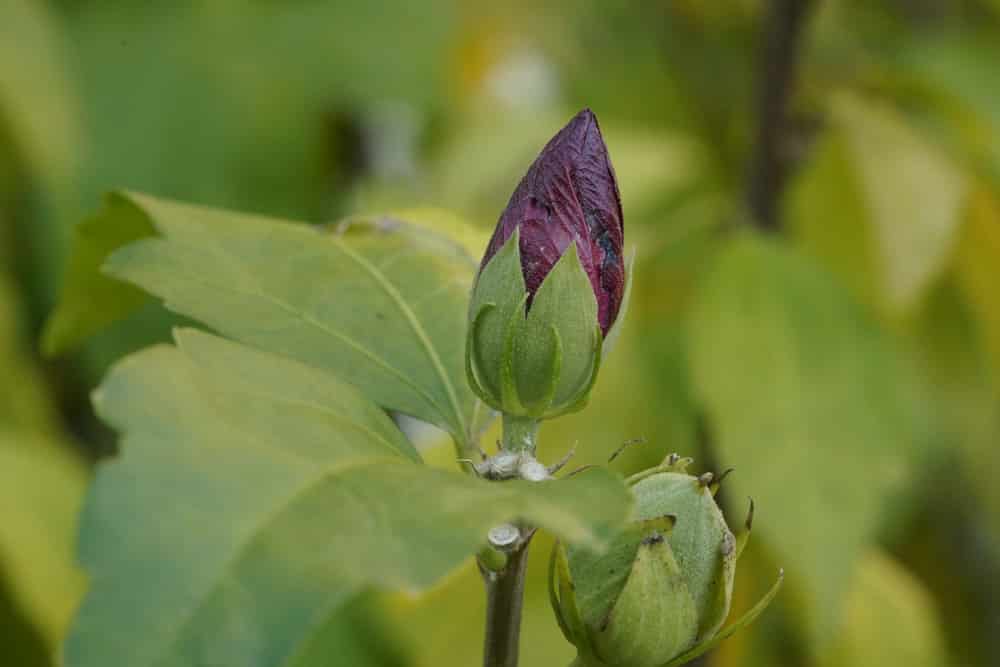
{"points": [[90, 300], [255, 496]]}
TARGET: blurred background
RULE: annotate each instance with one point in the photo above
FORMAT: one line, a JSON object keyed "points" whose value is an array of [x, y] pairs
{"points": [[812, 188]]}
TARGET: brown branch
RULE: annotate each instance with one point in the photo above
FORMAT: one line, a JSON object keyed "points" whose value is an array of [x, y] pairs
{"points": [[779, 55]]}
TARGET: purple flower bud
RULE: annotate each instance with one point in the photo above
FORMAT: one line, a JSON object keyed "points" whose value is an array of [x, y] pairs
{"points": [[569, 194]]}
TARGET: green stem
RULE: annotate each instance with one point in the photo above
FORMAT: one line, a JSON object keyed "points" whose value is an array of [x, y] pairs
{"points": [[519, 434], [505, 585], [504, 598]]}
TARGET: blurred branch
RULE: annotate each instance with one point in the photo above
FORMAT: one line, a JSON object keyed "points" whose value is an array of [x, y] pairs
{"points": [[779, 54]]}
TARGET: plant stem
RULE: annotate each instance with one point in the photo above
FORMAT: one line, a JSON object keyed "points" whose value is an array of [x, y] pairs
{"points": [[519, 434], [504, 598], [780, 48]]}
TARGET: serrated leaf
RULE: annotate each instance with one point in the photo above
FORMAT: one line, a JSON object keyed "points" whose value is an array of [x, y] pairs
{"points": [[90, 300], [258, 533], [316, 296], [808, 402]]}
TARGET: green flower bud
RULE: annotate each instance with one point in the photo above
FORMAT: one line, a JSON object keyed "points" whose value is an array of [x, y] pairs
{"points": [[661, 592], [538, 362]]}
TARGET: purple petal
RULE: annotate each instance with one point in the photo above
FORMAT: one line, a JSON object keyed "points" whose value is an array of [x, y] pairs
{"points": [[569, 194]]}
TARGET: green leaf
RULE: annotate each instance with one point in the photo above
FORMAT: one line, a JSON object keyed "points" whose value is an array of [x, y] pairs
{"points": [[35, 90], [359, 635], [90, 300], [41, 485], [260, 526], [316, 296], [810, 405], [24, 406], [889, 619], [953, 72], [956, 337], [899, 198], [446, 223], [975, 268]]}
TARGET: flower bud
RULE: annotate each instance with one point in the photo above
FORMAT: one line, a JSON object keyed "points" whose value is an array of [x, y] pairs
{"points": [[661, 592], [552, 281]]}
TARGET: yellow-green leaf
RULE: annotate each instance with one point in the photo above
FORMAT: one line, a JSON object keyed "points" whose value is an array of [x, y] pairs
{"points": [[264, 495], [889, 619], [808, 402], [876, 180]]}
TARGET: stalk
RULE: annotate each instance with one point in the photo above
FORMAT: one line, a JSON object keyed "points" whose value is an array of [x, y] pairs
{"points": [[504, 599]]}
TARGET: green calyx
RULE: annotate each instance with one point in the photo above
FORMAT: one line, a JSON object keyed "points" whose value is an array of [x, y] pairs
{"points": [[660, 594], [537, 362]]}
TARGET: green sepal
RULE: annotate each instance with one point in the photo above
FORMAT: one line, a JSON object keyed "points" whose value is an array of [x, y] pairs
{"points": [[499, 285], [702, 541], [539, 408], [473, 358], [596, 580], [537, 362], [553, 588], [510, 396], [584, 396], [565, 300], [655, 593], [746, 619], [672, 463], [570, 621], [744, 536]]}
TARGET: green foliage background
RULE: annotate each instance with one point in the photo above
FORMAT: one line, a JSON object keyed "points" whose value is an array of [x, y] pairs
{"points": [[847, 366]]}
